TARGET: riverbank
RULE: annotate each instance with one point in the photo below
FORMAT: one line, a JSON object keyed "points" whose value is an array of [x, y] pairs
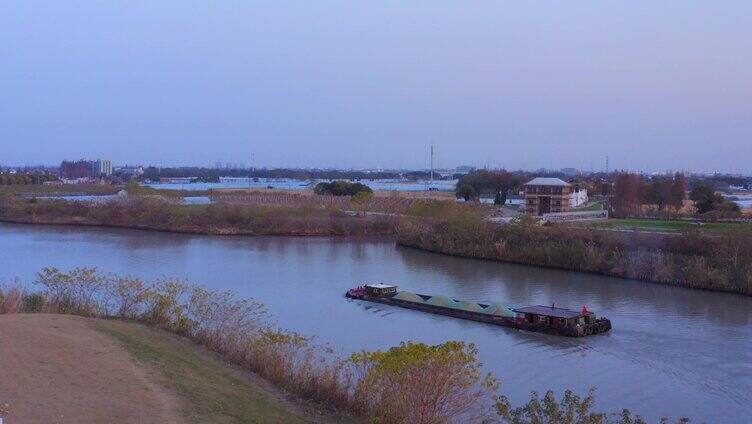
{"points": [[173, 334], [718, 262], [159, 214], [64, 368], [718, 259]]}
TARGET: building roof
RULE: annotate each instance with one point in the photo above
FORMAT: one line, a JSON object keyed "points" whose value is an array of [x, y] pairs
{"points": [[547, 182], [380, 286], [548, 311]]}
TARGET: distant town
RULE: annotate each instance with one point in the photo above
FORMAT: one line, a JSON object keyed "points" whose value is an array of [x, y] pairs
{"points": [[566, 194]]}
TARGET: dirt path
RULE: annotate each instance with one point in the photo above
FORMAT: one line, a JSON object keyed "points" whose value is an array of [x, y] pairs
{"points": [[60, 369]]}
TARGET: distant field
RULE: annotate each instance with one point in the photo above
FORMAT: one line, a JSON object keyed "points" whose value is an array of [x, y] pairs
{"points": [[662, 225]]}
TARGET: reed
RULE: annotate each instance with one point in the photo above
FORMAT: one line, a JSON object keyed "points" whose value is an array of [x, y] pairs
{"points": [[166, 214], [11, 299], [720, 262]]}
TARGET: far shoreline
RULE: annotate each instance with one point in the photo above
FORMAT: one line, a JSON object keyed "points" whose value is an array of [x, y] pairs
{"points": [[391, 236]]}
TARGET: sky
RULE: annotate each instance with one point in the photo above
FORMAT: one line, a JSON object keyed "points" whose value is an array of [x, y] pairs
{"points": [[654, 85]]}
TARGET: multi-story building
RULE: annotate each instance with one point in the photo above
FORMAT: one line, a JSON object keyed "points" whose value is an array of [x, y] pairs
{"points": [[101, 168], [547, 195], [551, 195]]}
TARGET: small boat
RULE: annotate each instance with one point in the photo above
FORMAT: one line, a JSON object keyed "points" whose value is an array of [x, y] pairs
{"points": [[538, 318]]}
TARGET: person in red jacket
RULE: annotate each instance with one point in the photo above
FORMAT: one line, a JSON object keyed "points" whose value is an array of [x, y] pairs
{"points": [[585, 311]]}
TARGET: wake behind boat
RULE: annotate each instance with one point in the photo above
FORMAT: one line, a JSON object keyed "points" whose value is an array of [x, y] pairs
{"points": [[542, 319]]}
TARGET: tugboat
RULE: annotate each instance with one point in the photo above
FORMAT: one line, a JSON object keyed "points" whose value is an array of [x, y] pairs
{"points": [[539, 318]]}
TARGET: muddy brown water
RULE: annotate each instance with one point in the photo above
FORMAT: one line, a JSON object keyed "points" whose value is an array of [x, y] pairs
{"points": [[673, 351]]}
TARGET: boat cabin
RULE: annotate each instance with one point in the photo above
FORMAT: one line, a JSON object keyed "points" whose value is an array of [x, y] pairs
{"points": [[381, 290], [550, 316]]}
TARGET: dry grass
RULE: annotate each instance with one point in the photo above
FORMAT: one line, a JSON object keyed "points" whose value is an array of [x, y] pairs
{"points": [[720, 261], [162, 214], [11, 300]]}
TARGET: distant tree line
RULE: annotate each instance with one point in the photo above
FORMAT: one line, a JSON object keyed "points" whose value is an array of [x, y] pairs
{"points": [[76, 169], [632, 191], [25, 179], [722, 182], [154, 174], [341, 188], [483, 182]]}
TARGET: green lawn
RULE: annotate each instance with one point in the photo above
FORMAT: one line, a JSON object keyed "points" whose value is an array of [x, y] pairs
{"points": [[596, 206], [214, 393], [662, 225]]}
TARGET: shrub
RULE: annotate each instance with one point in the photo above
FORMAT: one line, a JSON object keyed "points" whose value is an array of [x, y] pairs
{"points": [[129, 294], [33, 303], [570, 410], [423, 384], [72, 292]]}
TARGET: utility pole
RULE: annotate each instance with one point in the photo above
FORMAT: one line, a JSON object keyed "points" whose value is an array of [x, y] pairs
{"points": [[431, 168]]}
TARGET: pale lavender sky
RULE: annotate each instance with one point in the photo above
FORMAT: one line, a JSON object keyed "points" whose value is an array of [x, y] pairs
{"points": [[654, 84]]}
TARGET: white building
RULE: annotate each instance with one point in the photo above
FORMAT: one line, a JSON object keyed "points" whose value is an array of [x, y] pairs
{"points": [[578, 198], [101, 168]]}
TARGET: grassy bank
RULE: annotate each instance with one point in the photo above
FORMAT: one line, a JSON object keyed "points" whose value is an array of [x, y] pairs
{"points": [[409, 383], [720, 261], [161, 214], [214, 391], [667, 225]]}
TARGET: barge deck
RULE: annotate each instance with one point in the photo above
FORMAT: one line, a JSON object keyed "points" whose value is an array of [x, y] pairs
{"points": [[541, 319]]}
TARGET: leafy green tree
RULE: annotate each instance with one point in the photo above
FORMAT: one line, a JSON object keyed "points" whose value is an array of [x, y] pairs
{"points": [[487, 182], [707, 200], [466, 191], [500, 198], [341, 188]]}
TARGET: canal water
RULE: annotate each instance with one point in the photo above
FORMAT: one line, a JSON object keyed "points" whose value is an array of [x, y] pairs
{"points": [[672, 351]]}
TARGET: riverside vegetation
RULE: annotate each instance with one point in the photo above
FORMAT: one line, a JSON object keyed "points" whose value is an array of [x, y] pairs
{"points": [[713, 260], [154, 212], [719, 261], [409, 383]]}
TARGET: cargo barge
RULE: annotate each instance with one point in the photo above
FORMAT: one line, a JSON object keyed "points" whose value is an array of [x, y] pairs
{"points": [[542, 319]]}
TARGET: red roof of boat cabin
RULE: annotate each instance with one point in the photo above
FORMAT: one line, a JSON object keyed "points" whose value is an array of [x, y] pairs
{"points": [[548, 311]]}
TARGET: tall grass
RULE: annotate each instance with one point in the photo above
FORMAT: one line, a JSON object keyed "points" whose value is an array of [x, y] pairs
{"points": [[166, 214], [691, 259], [11, 300]]}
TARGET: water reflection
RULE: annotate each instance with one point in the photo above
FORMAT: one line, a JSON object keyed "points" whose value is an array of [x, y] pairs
{"points": [[524, 285]]}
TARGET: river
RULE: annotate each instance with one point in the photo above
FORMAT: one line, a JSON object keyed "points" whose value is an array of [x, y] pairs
{"points": [[673, 351]]}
